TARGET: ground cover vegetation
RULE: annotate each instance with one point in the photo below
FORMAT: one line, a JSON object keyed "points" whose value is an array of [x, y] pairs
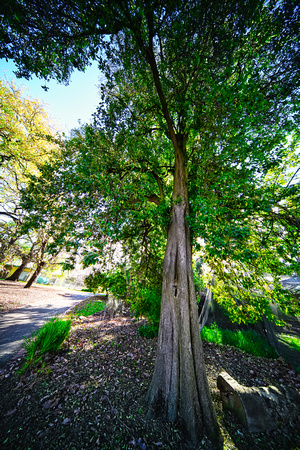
{"points": [[192, 147], [88, 308], [293, 341], [248, 341], [47, 339]]}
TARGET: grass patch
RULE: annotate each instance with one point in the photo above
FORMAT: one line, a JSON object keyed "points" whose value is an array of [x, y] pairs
{"points": [[89, 308], [248, 341], [292, 341], [47, 339]]}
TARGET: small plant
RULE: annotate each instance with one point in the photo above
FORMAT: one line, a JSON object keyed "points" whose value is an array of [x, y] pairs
{"points": [[199, 283], [146, 303], [248, 341], [149, 330], [87, 309], [292, 341], [47, 339]]}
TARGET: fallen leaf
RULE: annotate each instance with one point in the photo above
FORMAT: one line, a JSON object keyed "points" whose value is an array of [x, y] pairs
{"points": [[50, 403], [10, 413], [67, 420]]}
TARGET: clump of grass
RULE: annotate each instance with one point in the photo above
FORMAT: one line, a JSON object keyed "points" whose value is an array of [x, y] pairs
{"points": [[47, 339], [248, 341], [87, 309], [292, 341]]}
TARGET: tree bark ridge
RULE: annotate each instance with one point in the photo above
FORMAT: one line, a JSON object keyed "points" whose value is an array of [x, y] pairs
{"points": [[179, 390]]}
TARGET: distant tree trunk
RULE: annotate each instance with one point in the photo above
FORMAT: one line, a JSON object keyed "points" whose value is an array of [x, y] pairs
{"points": [[34, 276], [40, 264], [15, 276], [179, 390], [25, 260], [4, 248]]}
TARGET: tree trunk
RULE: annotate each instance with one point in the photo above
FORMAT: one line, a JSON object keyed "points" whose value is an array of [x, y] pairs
{"points": [[34, 276], [15, 276], [5, 247], [179, 390], [25, 260]]}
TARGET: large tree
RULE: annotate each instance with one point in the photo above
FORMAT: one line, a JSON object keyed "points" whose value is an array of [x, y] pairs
{"points": [[212, 71]]}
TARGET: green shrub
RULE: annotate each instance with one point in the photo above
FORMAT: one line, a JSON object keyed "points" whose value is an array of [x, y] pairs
{"points": [[114, 281], [146, 302], [212, 334], [149, 330], [47, 339], [199, 283], [87, 309], [248, 341]]}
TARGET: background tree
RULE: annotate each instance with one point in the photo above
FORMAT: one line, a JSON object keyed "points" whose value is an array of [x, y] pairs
{"points": [[36, 247], [9, 235], [26, 253], [26, 140], [214, 68], [51, 220], [249, 227], [26, 136], [42, 258]]}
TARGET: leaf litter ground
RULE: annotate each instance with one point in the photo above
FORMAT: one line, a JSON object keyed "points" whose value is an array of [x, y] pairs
{"points": [[91, 394]]}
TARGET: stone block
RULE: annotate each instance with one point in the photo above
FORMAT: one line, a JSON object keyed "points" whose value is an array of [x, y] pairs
{"points": [[259, 408]]}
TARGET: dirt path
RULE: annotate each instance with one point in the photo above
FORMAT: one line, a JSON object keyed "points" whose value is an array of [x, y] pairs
{"points": [[13, 295], [27, 310]]}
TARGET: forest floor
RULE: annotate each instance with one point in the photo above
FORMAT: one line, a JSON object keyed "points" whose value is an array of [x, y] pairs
{"points": [[91, 394]]}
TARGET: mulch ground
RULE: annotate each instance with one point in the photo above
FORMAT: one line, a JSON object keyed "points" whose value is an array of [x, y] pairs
{"points": [[91, 394]]}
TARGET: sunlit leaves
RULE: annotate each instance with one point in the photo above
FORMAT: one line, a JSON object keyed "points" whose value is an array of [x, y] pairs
{"points": [[26, 136]]}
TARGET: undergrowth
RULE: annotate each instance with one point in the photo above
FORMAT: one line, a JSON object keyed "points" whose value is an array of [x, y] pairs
{"points": [[292, 341], [89, 308], [149, 330], [248, 341], [47, 339]]}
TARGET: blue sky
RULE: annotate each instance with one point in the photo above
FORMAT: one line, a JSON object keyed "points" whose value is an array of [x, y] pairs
{"points": [[65, 104]]}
